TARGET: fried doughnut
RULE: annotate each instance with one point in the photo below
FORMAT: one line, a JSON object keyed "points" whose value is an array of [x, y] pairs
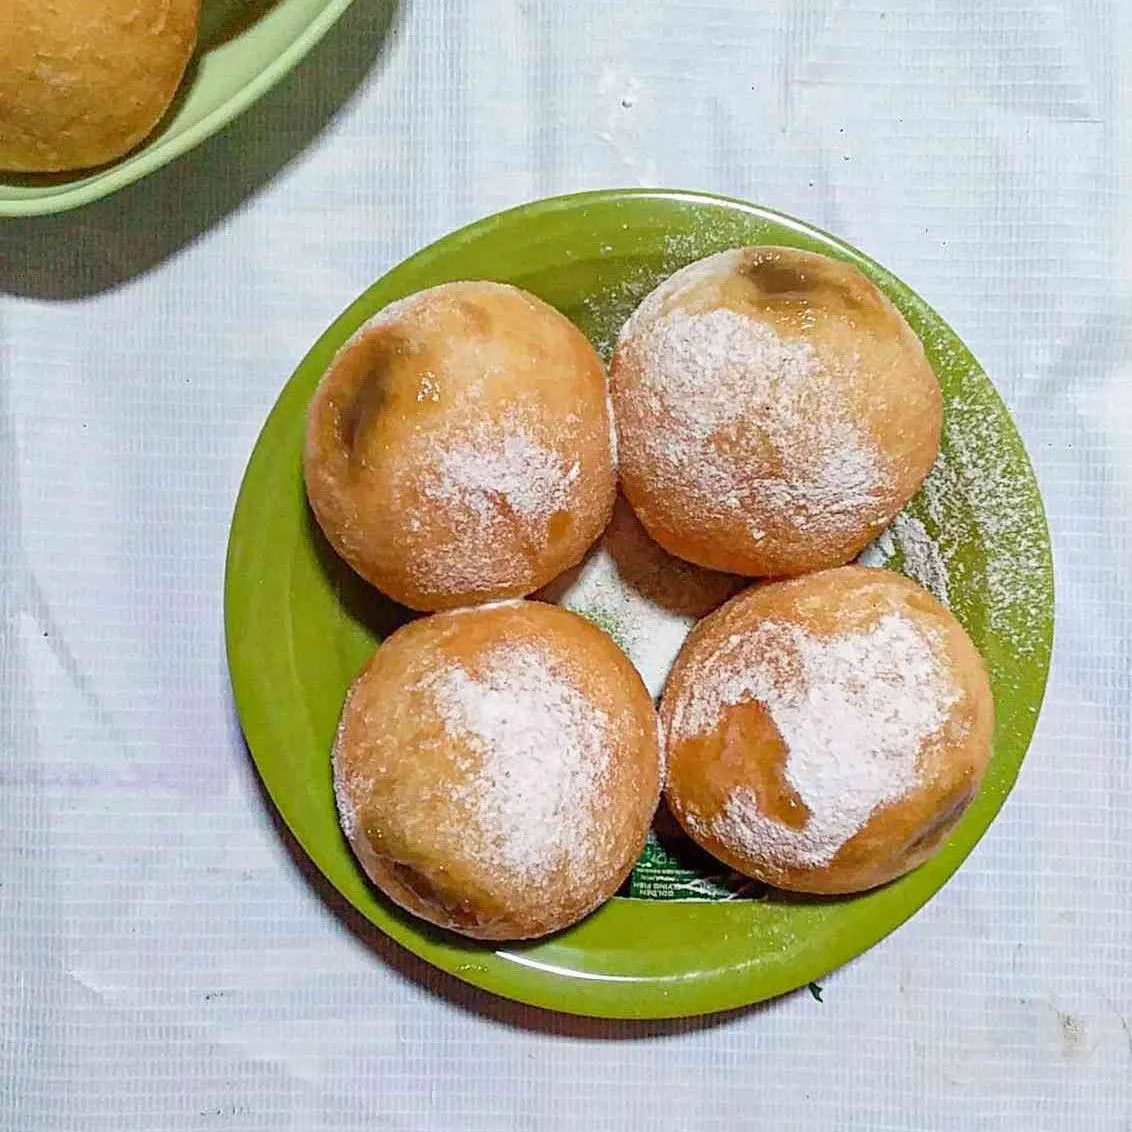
{"points": [[774, 412], [497, 768], [459, 447], [83, 81], [825, 734]]}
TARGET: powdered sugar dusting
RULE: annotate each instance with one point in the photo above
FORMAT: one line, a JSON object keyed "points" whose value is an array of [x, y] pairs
{"points": [[650, 634], [612, 423], [981, 466], [347, 814], [512, 473], [488, 486], [880, 551], [645, 599], [975, 535], [713, 375], [543, 756], [609, 311], [908, 546], [853, 712], [677, 284]]}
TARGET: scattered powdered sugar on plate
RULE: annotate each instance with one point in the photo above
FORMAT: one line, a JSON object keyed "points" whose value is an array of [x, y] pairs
{"points": [[605, 312], [982, 464], [543, 758], [922, 559], [908, 545], [880, 551], [647, 632], [608, 311], [853, 712], [677, 284], [975, 535], [645, 599], [711, 375]]}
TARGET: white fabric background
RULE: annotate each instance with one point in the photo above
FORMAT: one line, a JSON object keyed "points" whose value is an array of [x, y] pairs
{"points": [[165, 964]]}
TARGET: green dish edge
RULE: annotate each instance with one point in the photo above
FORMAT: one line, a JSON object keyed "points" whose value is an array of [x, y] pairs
{"points": [[631, 959], [158, 151]]}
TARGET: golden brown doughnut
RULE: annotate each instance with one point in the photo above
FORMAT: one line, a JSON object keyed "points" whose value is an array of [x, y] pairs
{"points": [[83, 81], [497, 768], [774, 412], [459, 447], [825, 734]]}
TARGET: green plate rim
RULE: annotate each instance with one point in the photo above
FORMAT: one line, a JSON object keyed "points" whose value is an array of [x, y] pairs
{"points": [[158, 152], [519, 973]]}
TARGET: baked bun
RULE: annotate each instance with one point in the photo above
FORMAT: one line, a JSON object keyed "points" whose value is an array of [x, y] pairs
{"points": [[825, 734], [459, 448], [83, 81], [497, 768], [774, 412]]}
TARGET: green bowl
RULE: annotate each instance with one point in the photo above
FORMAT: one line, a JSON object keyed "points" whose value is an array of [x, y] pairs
{"points": [[246, 46], [300, 625]]}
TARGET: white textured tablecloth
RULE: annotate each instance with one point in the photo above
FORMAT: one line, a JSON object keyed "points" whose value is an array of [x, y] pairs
{"points": [[165, 964]]}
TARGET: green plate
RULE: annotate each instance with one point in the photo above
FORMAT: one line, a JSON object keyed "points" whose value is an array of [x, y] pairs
{"points": [[300, 625], [246, 46]]}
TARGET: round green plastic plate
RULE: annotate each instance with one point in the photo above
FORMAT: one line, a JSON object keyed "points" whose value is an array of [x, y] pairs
{"points": [[244, 48], [300, 625]]}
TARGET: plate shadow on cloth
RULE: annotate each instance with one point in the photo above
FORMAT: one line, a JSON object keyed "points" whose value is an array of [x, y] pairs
{"points": [[104, 245]]}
